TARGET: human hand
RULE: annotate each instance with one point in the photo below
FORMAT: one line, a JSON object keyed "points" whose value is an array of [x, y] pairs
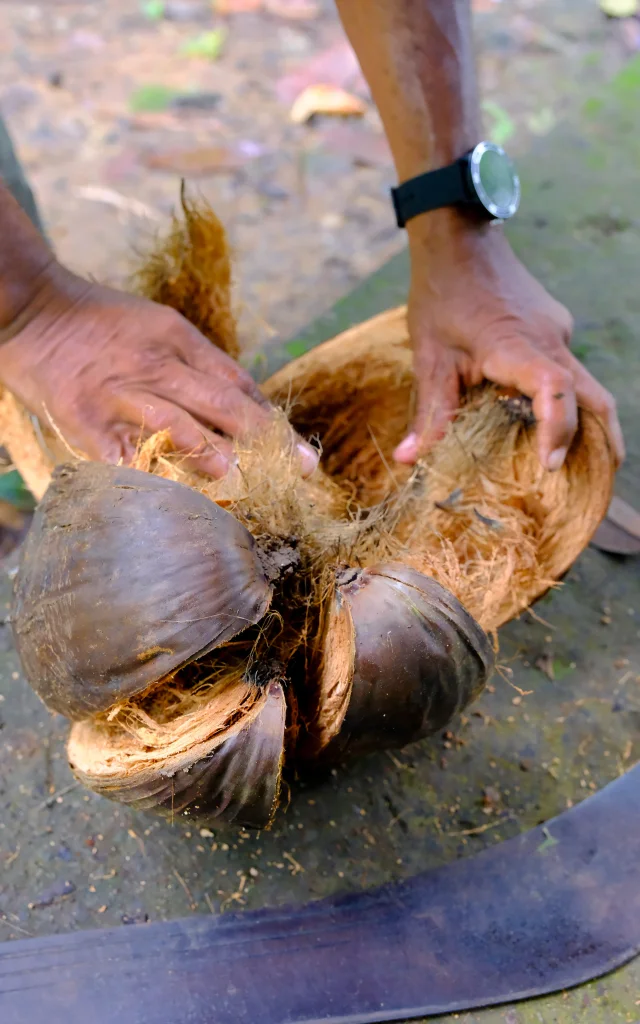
{"points": [[476, 313], [106, 367]]}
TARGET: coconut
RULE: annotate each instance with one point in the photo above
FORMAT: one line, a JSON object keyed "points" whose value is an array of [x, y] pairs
{"points": [[360, 601]]}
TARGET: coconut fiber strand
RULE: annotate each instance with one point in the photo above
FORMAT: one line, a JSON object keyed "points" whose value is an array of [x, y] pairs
{"points": [[202, 634]]}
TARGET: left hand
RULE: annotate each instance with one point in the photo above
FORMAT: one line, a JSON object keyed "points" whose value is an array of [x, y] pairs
{"points": [[476, 313]]}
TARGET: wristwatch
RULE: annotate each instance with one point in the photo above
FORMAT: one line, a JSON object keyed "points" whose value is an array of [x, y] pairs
{"points": [[484, 179]]}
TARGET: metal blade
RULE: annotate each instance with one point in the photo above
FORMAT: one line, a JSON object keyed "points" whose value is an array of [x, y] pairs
{"points": [[547, 910]]}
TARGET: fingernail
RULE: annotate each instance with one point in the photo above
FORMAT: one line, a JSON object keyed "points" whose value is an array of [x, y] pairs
{"points": [[407, 450], [309, 458], [556, 459]]}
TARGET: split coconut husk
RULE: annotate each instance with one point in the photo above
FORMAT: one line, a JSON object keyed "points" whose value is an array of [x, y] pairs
{"points": [[359, 602]]}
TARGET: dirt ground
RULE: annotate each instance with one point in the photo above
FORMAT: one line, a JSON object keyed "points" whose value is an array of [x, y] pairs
{"points": [[109, 106], [71, 860]]}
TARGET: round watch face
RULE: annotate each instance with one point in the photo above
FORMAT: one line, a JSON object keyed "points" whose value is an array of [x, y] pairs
{"points": [[495, 180]]}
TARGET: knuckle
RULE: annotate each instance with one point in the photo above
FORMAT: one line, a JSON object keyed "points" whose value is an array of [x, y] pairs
{"points": [[245, 382], [78, 409], [228, 402], [154, 418], [605, 405], [561, 380], [144, 364], [567, 324], [172, 322]]}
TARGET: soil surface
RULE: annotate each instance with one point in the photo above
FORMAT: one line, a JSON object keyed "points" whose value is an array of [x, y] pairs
{"points": [[567, 720]]}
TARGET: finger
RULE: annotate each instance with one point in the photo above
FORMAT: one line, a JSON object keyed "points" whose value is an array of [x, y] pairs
{"points": [[550, 384], [101, 444], [226, 407], [593, 396], [438, 397], [207, 451], [223, 395], [214, 401], [215, 366]]}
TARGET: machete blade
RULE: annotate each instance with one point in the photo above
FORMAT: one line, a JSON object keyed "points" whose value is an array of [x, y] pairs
{"points": [[545, 911]]}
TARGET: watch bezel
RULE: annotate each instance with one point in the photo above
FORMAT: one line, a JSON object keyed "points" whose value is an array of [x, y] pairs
{"points": [[492, 208]]}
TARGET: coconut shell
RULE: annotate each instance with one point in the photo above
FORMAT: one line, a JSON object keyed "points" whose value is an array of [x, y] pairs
{"points": [[401, 657], [356, 392], [124, 577], [231, 777]]}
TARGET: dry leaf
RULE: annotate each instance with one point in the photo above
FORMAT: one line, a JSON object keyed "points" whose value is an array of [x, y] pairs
{"points": [[192, 163], [109, 196], [620, 8], [338, 65], [326, 99]]}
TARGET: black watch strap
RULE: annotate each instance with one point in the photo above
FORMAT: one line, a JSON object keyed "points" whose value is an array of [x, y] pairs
{"points": [[431, 191]]}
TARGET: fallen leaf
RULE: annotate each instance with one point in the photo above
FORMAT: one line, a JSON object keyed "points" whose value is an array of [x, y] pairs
{"points": [[620, 8], [196, 100], [502, 127], [153, 9], [191, 163], [208, 44], [150, 98], [326, 99], [296, 10], [58, 891], [338, 65], [109, 196]]}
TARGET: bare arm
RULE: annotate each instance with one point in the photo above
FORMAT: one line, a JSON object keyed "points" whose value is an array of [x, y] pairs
{"points": [[474, 310], [417, 57]]}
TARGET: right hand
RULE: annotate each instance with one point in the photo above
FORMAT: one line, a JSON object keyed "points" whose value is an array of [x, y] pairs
{"points": [[476, 313], [107, 368]]}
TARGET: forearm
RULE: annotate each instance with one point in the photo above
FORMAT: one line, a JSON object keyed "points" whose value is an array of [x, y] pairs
{"points": [[25, 261], [417, 56]]}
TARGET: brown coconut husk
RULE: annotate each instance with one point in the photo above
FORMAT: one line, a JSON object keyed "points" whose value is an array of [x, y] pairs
{"points": [[478, 513], [190, 271]]}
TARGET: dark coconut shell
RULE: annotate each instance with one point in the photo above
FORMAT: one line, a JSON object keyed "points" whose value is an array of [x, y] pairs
{"points": [[401, 658], [234, 779], [124, 578]]}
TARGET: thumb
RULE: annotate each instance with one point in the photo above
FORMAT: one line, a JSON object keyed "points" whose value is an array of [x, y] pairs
{"points": [[438, 397]]}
